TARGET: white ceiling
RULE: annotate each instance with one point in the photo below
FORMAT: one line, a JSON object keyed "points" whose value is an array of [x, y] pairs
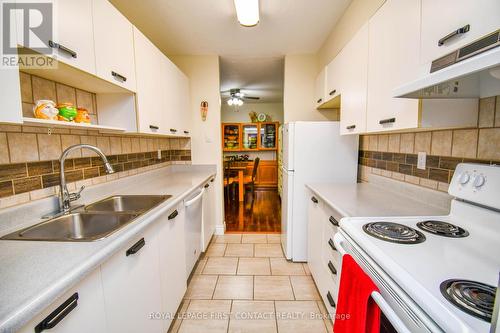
{"points": [[180, 27], [251, 58], [260, 77]]}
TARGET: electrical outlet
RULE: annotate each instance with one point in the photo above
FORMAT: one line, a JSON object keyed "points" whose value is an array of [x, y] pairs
{"points": [[159, 154], [421, 160]]}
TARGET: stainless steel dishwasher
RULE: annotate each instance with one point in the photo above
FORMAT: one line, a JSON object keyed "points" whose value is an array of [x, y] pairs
{"points": [[194, 205]]}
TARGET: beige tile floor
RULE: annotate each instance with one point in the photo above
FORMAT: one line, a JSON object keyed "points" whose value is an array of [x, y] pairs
{"points": [[243, 284]]}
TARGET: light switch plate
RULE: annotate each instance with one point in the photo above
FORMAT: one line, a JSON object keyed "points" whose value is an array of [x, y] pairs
{"points": [[421, 160]]}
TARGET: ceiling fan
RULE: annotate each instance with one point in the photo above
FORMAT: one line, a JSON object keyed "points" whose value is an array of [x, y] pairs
{"points": [[236, 97]]}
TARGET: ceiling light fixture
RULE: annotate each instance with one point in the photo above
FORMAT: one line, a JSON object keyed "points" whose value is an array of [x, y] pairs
{"points": [[247, 12], [235, 101]]}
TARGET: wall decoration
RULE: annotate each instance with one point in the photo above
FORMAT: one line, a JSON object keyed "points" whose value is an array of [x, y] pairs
{"points": [[204, 110]]}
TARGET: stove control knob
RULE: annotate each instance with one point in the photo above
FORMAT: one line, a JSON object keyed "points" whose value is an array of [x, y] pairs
{"points": [[464, 178], [479, 181]]}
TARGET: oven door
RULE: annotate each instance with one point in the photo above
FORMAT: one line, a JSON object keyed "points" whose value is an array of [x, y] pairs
{"points": [[398, 312]]}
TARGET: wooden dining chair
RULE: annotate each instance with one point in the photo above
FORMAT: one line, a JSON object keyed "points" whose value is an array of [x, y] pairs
{"points": [[250, 179], [229, 178]]}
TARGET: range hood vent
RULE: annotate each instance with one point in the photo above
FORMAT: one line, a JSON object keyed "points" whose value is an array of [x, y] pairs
{"points": [[470, 72]]}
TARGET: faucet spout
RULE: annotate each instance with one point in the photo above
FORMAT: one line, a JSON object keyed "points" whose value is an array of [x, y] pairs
{"points": [[65, 197]]}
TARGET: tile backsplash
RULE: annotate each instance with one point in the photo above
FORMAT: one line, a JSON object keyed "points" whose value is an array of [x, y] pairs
{"points": [[394, 155], [29, 166]]}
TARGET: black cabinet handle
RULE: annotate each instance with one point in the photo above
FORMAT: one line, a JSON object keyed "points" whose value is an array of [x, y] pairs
{"points": [[153, 127], [387, 121], [173, 130], [173, 215], [58, 314], [313, 199], [136, 247], [350, 127], [118, 76], [332, 268], [63, 48], [186, 132], [332, 92], [333, 221], [319, 100], [459, 31], [212, 180], [206, 185], [330, 300], [332, 245]]}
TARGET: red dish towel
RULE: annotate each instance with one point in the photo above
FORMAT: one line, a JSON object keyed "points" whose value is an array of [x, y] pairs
{"points": [[356, 311]]}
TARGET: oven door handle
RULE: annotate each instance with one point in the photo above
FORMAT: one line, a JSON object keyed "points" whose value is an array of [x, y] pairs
{"points": [[389, 313], [338, 240]]}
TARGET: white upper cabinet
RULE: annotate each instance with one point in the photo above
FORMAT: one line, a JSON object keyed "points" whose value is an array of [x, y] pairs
{"points": [[176, 99], [333, 79], [149, 86], [114, 45], [184, 105], [393, 59], [353, 72], [442, 19], [320, 88]]}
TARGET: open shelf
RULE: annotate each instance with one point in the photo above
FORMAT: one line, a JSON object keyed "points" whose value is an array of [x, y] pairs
{"points": [[63, 124]]}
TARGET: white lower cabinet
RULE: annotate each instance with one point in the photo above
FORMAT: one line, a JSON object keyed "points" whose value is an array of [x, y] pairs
{"points": [[80, 310], [172, 265], [209, 203], [131, 286], [323, 259]]}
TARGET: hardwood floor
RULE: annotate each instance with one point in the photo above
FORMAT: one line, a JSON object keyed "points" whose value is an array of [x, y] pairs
{"points": [[261, 215]]}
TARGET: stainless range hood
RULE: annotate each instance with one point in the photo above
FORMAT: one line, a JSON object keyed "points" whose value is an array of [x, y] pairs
{"points": [[473, 71]]}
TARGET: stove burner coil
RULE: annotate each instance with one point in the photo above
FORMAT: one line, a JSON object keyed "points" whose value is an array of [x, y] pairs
{"points": [[443, 229], [394, 232], [474, 298]]}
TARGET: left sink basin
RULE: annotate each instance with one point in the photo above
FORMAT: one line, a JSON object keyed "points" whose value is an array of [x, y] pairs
{"points": [[73, 227]]}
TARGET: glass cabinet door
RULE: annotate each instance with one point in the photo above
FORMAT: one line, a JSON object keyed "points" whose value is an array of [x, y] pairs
{"points": [[231, 135], [249, 136], [268, 136]]}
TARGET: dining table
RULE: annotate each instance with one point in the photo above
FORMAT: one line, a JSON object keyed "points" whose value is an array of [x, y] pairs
{"points": [[240, 169]]}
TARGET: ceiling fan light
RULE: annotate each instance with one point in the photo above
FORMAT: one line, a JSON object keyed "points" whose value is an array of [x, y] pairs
{"points": [[247, 12], [230, 102]]}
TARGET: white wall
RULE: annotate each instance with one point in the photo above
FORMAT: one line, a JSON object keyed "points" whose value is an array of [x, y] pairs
{"points": [[298, 98], [240, 114], [203, 73]]}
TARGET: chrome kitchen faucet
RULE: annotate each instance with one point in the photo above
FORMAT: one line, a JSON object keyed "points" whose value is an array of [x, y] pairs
{"points": [[65, 198]]}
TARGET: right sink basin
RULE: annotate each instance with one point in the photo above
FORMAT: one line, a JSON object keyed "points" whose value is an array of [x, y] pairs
{"points": [[127, 203]]}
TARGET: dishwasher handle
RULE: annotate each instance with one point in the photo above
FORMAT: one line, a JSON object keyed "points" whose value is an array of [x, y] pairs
{"points": [[195, 199]]}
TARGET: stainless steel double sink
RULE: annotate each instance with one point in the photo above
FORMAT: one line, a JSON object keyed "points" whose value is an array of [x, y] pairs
{"points": [[92, 222]]}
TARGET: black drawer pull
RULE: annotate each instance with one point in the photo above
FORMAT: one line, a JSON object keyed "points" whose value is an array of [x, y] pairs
{"points": [[58, 314], [118, 76], [333, 221], [173, 130], [332, 92], [212, 180], [459, 31], [332, 245], [387, 121], [136, 247], [319, 100], [173, 215], [350, 127], [206, 185], [186, 132], [153, 127], [313, 199], [63, 48], [330, 300], [332, 268]]}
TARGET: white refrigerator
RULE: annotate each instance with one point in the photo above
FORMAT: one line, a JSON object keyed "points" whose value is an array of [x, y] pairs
{"points": [[313, 152]]}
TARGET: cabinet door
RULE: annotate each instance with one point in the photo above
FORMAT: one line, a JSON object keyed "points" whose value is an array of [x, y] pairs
{"points": [[172, 264], [131, 285], [314, 236], [88, 314], [392, 60], [209, 203], [249, 136], [114, 45], [149, 93], [268, 136], [184, 103], [231, 137], [353, 88], [441, 18], [333, 78], [267, 174], [320, 88]]}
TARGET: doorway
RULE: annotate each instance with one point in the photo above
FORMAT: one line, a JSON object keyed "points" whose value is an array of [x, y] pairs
{"points": [[251, 120]]}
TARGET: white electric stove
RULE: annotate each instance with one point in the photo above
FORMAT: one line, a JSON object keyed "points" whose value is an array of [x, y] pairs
{"points": [[435, 273]]}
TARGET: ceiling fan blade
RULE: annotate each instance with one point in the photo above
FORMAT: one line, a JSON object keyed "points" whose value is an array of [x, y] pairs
{"points": [[251, 97]]}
